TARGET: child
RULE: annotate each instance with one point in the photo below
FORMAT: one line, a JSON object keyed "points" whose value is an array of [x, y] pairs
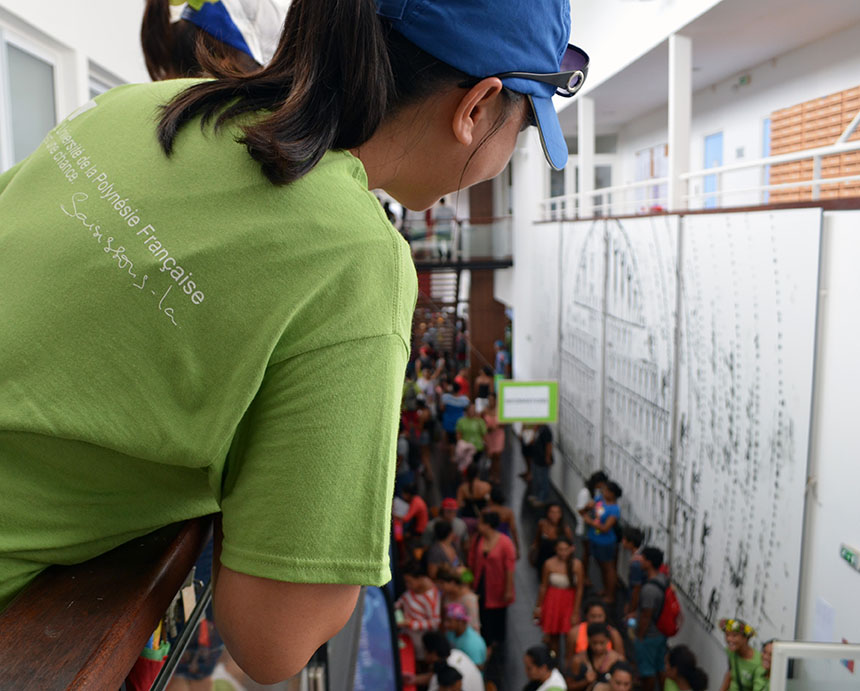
{"points": [[421, 606], [603, 542]]}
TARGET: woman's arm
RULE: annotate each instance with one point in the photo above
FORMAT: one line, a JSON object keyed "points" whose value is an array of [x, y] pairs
{"points": [[544, 582], [515, 538], [579, 574], [727, 681], [581, 681], [617, 641], [272, 628]]}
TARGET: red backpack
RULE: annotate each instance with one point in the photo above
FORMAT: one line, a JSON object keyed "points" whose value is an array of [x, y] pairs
{"points": [[671, 617]]}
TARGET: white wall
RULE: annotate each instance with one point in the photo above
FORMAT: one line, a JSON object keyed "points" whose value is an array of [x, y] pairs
{"points": [[833, 509], [817, 69], [105, 31]]}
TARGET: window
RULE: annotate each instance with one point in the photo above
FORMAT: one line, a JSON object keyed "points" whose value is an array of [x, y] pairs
{"points": [[28, 96], [713, 159], [101, 80], [651, 164]]}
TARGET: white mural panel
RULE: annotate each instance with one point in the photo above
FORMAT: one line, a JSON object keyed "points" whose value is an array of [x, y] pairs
{"points": [[747, 335], [640, 336], [746, 370], [582, 283]]}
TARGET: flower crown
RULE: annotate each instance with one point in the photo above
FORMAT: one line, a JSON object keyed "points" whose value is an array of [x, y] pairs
{"points": [[738, 626]]}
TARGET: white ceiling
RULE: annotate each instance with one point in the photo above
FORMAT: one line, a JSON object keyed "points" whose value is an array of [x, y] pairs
{"points": [[727, 40]]}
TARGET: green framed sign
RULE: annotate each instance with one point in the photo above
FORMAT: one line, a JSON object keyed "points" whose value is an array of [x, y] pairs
{"points": [[527, 401]]}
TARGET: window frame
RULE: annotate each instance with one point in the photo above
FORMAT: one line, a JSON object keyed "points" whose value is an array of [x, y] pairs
{"points": [[41, 50]]}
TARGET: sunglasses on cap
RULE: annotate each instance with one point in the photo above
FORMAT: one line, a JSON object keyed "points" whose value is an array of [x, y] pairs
{"points": [[567, 82]]}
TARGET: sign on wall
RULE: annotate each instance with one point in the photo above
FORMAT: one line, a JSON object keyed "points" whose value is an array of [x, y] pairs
{"points": [[528, 401]]}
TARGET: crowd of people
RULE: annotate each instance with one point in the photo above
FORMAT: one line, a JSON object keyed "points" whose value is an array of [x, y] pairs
{"points": [[459, 542]]}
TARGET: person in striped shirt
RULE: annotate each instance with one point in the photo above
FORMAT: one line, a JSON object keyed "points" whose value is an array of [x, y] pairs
{"points": [[421, 605]]}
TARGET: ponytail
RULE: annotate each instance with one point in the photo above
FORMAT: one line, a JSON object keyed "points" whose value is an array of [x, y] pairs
{"points": [[156, 39], [328, 86], [338, 71], [172, 50]]}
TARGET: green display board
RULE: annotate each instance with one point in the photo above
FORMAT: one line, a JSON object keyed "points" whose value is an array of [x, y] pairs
{"points": [[527, 401]]}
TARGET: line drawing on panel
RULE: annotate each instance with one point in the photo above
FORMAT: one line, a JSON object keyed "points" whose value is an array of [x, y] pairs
{"points": [[746, 335], [640, 309], [746, 386], [581, 343]]}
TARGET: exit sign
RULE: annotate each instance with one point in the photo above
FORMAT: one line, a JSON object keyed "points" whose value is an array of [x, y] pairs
{"points": [[850, 556]]}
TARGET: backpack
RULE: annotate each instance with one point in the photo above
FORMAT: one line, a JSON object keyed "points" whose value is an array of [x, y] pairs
{"points": [[671, 617]]}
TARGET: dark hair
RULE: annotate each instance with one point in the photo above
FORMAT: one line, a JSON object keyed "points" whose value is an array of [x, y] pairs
{"points": [[497, 495], [411, 489], [615, 489], [542, 656], [414, 569], [654, 556], [595, 479], [436, 642], [486, 369], [446, 675], [338, 71], [442, 529], [620, 666], [595, 602], [446, 575], [633, 535], [551, 505], [491, 518], [182, 49], [597, 629], [683, 659], [472, 471], [568, 563]]}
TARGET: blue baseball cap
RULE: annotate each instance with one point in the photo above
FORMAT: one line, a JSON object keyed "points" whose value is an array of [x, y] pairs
{"points": [[252, 26], [486, 39]]}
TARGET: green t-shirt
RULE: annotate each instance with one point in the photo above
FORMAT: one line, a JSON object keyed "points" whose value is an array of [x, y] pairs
{"points": [[180, 336], [750, 673], [473, 430], [670, 685]]}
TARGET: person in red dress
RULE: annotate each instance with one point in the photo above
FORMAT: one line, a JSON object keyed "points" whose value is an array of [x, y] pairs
{"points": [[492, 558], [560, 594]]}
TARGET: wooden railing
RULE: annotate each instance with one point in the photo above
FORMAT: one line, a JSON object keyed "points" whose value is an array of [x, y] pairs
{"points": [[84, 626]]}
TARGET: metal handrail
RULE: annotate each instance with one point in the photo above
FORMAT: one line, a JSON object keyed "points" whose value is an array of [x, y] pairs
{"points": [[783, 650], [815, 154]]}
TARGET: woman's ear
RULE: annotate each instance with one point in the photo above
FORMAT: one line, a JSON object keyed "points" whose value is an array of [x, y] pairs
{"points": [[477, 110]]}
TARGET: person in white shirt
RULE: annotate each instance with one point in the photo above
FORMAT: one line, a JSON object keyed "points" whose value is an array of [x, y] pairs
{"points": [[438, 649], [540, 663]]}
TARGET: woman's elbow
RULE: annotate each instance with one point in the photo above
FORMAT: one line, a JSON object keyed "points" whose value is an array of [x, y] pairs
{"points": [[272, 628]]}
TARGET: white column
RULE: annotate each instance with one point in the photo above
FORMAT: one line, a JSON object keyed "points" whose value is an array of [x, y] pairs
{"points": [[585, 138], [529, 188], [680, 114]]}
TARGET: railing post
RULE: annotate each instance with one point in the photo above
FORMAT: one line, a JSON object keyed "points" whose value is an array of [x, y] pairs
{"points": [[816, 175], [680, 115]]}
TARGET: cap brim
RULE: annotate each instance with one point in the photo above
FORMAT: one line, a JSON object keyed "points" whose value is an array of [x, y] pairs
{"points": [[549, 128]]}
